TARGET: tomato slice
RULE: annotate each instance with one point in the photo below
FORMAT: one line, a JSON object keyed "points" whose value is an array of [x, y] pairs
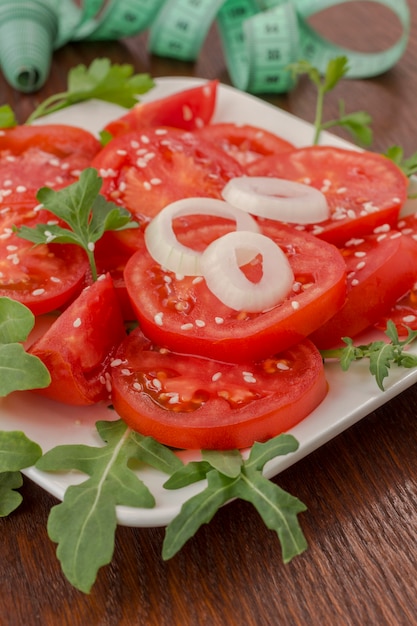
{"points": [[50, 155], [183, 315], [77, 349], [245, 143], [351, 182], [381, 268], [189, 402], [404, 311], [187, 109], [146, 171]]}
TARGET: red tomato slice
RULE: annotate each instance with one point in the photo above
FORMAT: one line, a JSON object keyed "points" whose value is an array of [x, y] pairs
{"points": [[43, 277], [404, 311], [363, 189], [50, 155], [189, 402], [78, 347], [187, 109], [381, 268], [146, 171], [245, 143], [183, 315]]}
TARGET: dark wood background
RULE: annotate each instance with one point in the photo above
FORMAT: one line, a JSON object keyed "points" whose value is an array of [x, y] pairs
{"points": [[360, 489]]}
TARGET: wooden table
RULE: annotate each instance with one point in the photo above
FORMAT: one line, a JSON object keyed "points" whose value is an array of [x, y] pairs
{"points": [[360, 489]]}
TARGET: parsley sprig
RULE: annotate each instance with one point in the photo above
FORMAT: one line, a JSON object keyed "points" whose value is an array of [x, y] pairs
{"points": [[101, 80], [381, 354], [357, 123], [87, 214]]}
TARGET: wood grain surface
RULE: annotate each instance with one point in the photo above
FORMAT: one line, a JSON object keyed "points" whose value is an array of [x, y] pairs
{"points": [[360, 489]]}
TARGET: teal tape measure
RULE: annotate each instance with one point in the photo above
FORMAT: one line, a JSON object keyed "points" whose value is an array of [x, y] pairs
{"points": [[259, 38]]}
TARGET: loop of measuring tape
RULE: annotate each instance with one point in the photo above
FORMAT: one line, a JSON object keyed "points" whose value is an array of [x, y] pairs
{"points": [[259, 38]]}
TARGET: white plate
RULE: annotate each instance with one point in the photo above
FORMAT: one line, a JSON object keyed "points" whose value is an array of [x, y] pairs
{"points": [[352, 395]]}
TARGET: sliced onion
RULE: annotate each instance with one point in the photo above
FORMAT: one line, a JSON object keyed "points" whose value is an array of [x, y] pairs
{"points": [[277, 199], [163, 245], [227, 281]]}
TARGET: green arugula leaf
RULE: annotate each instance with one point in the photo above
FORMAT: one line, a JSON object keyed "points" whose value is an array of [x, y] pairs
{"points": [[357, 124], [380, 353], [243, 479], [84, 524], [16, 453], [7, 117], [102, 80], [87, 213], [18, 369], [407, 165]]}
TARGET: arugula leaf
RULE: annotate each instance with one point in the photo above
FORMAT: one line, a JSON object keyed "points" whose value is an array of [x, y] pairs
{"points": [[84, 524], [7, 117], [18, 369], [230, 476], [87, 213], [16, 453], [358, 124], [380, 353], [102, 80], [407, 165]]}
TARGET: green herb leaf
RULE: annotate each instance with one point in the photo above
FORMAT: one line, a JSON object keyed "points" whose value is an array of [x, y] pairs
{"points": [[7, 117], [407, 165], [102, 80], [87, 213], [357, 124], [380, 353], [84, 524], [16, 453], [228, 477], [18, 369]]}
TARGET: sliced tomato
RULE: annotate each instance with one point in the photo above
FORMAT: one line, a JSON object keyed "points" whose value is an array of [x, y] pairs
{"points": [[187, 109], [43, 277], [183, 315], [50, 155], [404, 311], [381, 269], [189, 402], [363, 189], [77, 349], [244, 142], [146, 171]]}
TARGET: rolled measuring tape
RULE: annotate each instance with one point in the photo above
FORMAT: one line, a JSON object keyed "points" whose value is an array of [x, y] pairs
{"points": [[260, 38]]}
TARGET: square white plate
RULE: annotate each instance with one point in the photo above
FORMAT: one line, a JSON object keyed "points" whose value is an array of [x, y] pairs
{"points": [[352, 395]]}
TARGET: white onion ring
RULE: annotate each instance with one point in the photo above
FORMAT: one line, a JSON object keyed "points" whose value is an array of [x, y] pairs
{"points": [[277, 199], [229, 284], [163, 245]]}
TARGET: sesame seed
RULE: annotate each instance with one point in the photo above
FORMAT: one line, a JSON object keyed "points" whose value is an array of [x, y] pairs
{"points": [[197, 279], [295, 305], [408, 319], [200, 323], [282, 366], [219, 320], [187, 326], [125, 371], [77, 323], [38, 292], [137, 386], [216, 376], [21, 189], [248, 377], [360, 265], [147, 185], [158, 318], [116, 362], [155, 181], [187, 113]]}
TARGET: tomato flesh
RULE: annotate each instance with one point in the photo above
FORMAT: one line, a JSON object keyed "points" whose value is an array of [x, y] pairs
{"points": [[181, 314], [364, 190], [188, 109], [146, 171], [78, 347], [190, 402], [381, 268]]}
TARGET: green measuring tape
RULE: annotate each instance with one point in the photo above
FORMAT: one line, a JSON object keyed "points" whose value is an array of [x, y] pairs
{"points": [[259, 38]]}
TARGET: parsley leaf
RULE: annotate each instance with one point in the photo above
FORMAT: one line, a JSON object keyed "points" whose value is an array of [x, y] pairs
{"points": [[230, 476], [84, 524], [380, 353], [7, 117], [87, 214], [357, 124], [102, 80], [407, 165]]}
